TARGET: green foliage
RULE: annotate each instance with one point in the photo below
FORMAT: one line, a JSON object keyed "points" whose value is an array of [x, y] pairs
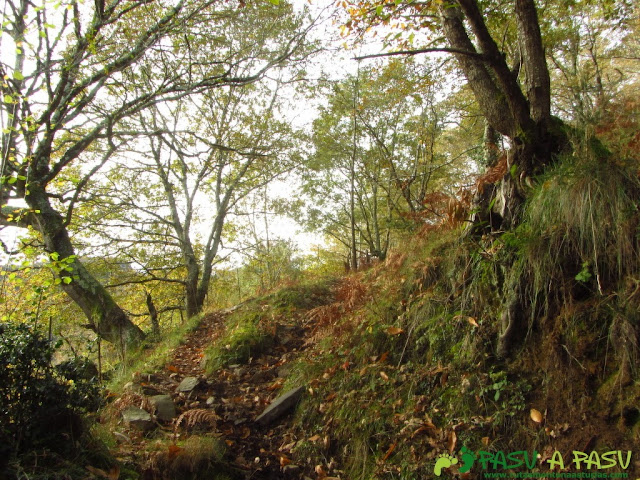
{"points": [[244, 338], [38, 405], [582, 220]]}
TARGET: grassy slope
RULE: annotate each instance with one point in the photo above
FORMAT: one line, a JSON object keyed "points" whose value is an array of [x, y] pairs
{"points": [[404, 366]]}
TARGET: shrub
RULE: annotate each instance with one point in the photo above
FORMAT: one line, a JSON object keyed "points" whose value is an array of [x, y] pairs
{"points": [[38, 405]]}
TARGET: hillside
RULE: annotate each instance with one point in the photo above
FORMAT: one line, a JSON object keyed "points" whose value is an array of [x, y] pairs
{"points": [[400, 365]]}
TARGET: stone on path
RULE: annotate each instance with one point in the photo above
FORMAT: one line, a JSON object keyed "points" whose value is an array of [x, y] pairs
{"points": [[188, 384], [137, 418], [165, 408], [280, 406]]}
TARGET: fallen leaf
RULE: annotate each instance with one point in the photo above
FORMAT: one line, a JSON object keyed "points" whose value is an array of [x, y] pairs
{"points": [[322, 473], [536, 416], [171, 368], [384, 376], [315, 438], [383, 357], [174, 450], [394, 330], [332, 396], [112, 474], [389, 451], [284, 461], [485, 441], [451, 443]]}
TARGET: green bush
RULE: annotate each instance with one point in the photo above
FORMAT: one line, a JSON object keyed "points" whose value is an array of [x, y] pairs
{"points": [[39, 405]]}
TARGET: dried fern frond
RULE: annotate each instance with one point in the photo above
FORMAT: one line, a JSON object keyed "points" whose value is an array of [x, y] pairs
{"points": [[325, 314], [495, 173], [197, 416], [132, 399]]}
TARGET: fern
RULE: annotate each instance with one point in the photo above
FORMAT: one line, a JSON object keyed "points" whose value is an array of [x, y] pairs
{"points": [[197, 416]]}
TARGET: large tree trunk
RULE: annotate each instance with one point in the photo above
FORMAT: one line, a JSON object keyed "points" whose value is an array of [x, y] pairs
{"points": [[522, 116], [105, 316]]}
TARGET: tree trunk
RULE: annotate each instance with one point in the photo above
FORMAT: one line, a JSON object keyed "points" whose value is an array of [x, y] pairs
{"points": [[153, 315], [105, 316], [193, 303]]}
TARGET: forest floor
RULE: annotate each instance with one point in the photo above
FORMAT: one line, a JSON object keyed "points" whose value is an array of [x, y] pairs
{"points": [[237, 394]]}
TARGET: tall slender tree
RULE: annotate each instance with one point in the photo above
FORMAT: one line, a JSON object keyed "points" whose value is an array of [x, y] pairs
{"points": [[69, 70]]}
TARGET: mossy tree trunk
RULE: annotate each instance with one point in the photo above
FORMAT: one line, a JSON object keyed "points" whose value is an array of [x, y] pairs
{"points": [[105, 316], [519, 111]]}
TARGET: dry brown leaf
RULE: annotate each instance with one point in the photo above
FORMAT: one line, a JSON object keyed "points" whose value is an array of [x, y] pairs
{"points": [[390, 451], [394, 330], [485, 441], [173, 451], [472, 321], [315, 438], [451, 441], [284, 461], [383, 357], [112, 474], [384, 376], [536, 416]]}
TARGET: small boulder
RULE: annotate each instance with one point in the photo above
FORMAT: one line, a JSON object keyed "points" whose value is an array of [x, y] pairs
{"points": [[137, 418], [188, 384], [165, 408], [280, 406]]}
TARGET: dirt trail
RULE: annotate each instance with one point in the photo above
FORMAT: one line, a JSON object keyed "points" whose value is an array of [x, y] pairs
{"points": [[238, 394]]}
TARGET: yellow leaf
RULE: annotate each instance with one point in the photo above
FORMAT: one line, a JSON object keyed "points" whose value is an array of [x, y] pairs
{"points": [[394, 330], [536, 416]]}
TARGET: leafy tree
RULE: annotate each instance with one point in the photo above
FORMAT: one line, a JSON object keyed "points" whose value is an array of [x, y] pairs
{"points": [[387, 148], [74, 74], [208, 154], [515, 99]]}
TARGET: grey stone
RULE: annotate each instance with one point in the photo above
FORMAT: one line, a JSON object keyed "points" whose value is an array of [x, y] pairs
{"points": [[291, 470], [188, 384], [165, 408], [284, 370], [137, 418], [280, 406], [203, 362]]}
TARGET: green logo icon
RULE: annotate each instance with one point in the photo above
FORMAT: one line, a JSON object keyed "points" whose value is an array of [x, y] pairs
{"points": [[444, 461], [468, 459]]}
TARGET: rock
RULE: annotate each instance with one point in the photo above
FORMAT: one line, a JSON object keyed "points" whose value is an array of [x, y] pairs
{"points": [[188, 384], [132, 387], [280, 406], [150, 390], [260, 376], [291, 471], [284, 370], [203, 362], [165, 408], [137, 418]]}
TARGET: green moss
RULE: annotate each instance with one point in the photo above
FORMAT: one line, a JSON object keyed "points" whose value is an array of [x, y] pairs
{"points": [[244, 337]]}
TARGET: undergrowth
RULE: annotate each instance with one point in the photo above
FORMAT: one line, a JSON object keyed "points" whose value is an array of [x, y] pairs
{"points": [[406, 367]]}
